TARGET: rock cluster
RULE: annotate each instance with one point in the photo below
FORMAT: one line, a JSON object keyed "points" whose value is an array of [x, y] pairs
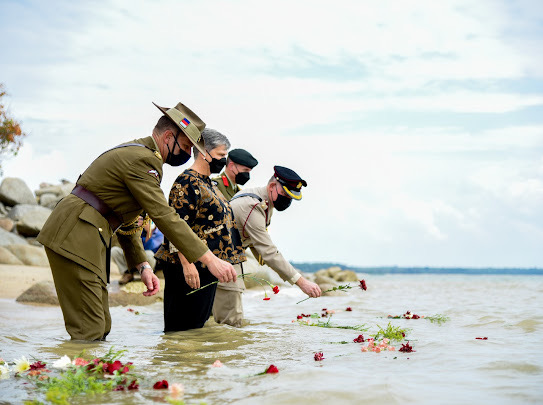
{"points": [[333, 277], [22, 216]]}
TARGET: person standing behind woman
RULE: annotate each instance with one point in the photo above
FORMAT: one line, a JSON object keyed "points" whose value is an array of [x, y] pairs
{"points": [[200, 203]]}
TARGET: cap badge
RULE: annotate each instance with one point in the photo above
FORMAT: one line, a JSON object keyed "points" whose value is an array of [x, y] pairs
{"points": [[184, 122]]}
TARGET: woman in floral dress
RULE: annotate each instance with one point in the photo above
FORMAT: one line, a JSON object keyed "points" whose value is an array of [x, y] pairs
{"points": [[199, 202]]}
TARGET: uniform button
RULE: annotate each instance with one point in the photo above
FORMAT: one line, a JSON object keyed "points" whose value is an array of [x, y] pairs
{"points": [[100, 229]]}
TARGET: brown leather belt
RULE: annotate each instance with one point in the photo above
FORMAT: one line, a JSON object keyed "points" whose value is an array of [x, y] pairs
{"points": [[94, 201]]}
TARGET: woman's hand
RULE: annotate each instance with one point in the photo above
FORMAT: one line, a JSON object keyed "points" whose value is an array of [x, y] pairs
{"points": [[191, 275]]}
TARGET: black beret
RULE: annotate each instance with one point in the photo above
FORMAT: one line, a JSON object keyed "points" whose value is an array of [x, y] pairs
{"points": [[242, 157], [291, 182]]}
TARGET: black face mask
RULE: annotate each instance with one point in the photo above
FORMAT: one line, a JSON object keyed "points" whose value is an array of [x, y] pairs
{"points": [[281, 203], [242, 178], [216, 165], [176, 160]]}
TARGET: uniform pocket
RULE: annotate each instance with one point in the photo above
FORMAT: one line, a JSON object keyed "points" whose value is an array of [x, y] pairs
{"points": [[88, 237]]}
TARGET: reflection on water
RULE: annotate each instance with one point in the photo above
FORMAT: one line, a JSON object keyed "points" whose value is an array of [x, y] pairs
{"points": [[449, 365]]}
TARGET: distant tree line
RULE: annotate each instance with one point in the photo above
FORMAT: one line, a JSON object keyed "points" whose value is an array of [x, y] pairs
{"points": [[316, 266]]}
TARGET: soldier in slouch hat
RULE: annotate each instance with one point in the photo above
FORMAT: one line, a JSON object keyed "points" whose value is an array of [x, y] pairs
{"points": [[109, 196]]}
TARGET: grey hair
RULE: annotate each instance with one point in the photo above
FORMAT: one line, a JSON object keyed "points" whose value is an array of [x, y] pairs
{"points": [[212, 139]]}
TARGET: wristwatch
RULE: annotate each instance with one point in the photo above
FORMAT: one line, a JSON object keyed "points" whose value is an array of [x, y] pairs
{"points": [[143, 267]]}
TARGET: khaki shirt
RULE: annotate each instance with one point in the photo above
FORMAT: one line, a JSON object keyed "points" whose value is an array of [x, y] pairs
{"points": [[128, 181], [226, 186], [252, 224]]}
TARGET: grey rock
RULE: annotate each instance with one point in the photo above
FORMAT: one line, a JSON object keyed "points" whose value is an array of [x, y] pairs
{"points": [[346, 275], [3, 210], [40, 293], [9, 238], [6, 257], [333, 271], [14, 191], [31, 218], [326, 286], [29, 255], [49, 200], [321, 279], [7, 224]]}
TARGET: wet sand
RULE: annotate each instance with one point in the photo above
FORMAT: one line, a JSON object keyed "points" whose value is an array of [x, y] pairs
{"points": [[17, 279]]}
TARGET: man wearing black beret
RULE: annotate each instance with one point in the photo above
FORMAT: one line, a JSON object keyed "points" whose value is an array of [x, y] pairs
{"points": [[253, 209], [236, 172]]}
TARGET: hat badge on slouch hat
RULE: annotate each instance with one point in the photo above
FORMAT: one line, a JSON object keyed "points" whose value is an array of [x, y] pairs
{"points": [[188, 122], [290, 181]]}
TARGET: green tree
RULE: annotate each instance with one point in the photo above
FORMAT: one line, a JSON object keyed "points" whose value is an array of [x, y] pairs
{"points": [[10, 131]]}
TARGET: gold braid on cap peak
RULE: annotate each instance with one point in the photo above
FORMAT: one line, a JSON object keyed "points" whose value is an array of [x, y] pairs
{"points": [[132, 230]]}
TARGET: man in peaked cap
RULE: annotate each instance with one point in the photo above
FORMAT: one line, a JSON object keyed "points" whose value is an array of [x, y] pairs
{"points": [[253, 209], [236, 172], [109, 197]]}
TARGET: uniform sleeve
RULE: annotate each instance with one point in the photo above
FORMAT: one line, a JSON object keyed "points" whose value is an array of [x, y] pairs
{"points": [[145, 187], [255, 228]]}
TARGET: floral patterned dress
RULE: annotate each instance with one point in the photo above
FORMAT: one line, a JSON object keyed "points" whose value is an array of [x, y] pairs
{"points": [[200, 203]]}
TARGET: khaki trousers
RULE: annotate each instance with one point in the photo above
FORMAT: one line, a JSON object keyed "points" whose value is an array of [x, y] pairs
{"points": [[83, 298], [228, 305]]}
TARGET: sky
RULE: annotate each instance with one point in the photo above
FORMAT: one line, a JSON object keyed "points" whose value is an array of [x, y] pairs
{"points": [[418, 125]]}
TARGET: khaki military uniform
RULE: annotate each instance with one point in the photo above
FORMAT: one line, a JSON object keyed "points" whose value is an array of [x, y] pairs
{"points": [[76, 235], [226, 186], [252, 220]]}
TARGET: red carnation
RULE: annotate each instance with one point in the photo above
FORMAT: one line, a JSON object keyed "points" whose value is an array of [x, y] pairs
{"points": [[37, 365], [348, 309], [161, 385], [272, 370], [266, 298], [363, 285], [112, 367], [319, 356], [407, 348], [299, 317], [359, 339], [482, 338], [134, 385], [276, 289], [119, 388]]}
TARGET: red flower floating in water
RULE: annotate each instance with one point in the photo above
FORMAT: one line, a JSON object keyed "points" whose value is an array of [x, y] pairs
{"points": [[319, 356], [276, 289], [299, 317], [272, 369], [134, 385], [482, 338], [159, 385], [37, 365], [406, 348], [363, 285], [348, 309], [266, 298], [359, 339]]}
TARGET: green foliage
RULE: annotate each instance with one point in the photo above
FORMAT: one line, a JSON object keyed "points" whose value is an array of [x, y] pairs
{"points": [[391, 332], [438, 318], [328, 324]]}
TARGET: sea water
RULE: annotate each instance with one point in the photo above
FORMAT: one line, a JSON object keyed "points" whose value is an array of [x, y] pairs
{"points": [[449, 365]]}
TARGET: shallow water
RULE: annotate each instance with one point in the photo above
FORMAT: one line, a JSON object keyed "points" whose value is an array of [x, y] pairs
{"points": [[449, 366]]}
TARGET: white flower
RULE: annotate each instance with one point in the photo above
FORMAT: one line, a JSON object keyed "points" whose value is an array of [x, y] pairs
{"points": [[22, 364], [176, 390], [4, 371], [62, 363]]}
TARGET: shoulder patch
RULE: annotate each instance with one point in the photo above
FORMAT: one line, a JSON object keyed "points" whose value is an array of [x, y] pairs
{"points": [[154, 172]]}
